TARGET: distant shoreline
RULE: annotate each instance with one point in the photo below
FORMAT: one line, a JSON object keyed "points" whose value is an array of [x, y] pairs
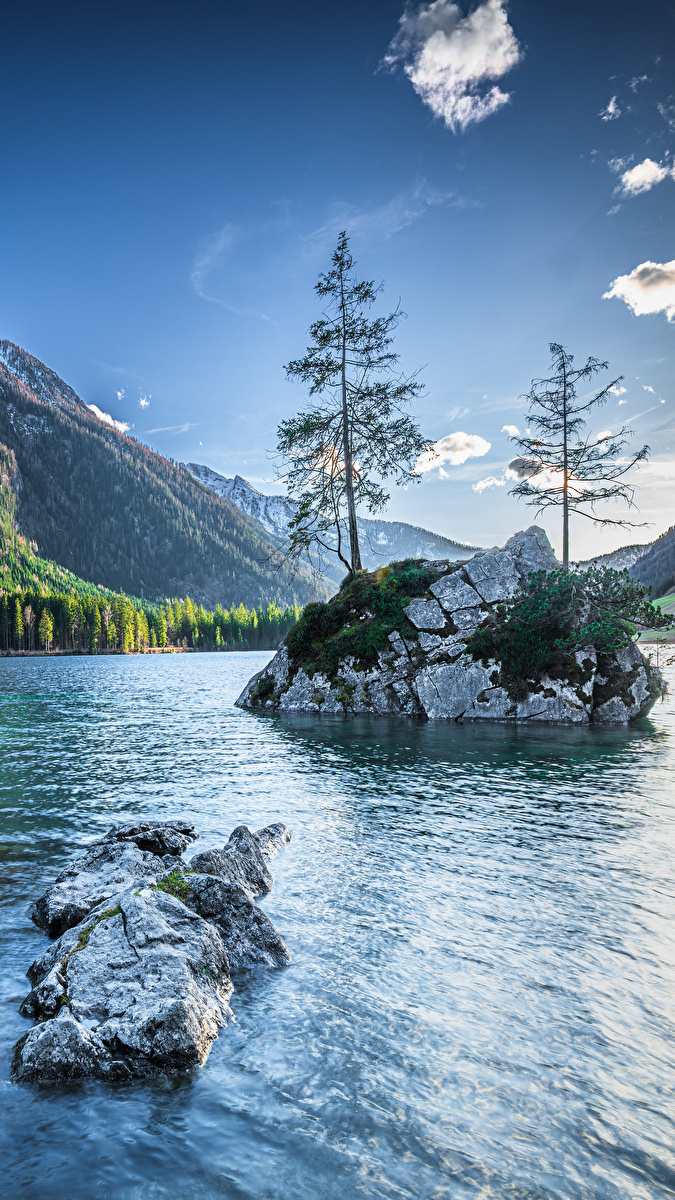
{"points": [[125, 653]]}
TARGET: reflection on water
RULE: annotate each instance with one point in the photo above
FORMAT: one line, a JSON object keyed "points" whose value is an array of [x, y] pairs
{"points": [[480, 1002]]}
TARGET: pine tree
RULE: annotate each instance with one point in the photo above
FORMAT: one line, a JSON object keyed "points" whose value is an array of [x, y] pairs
{"points": [[161, 630], [18, 625], [355, 433], [46, 628], [563, 467]]}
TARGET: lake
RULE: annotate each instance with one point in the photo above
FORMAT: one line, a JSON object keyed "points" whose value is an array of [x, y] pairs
{"points": [[481, 997]]}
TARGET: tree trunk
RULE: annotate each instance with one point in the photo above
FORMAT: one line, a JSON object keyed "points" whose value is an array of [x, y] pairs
{"points": [[566, 511], [355, 553]]}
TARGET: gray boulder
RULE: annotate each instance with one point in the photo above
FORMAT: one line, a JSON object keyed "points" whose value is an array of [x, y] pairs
{"points": [[425, 614], [493, 575], [106, 869], [147, 976], [531, 551], [453, 593], [628, 691], [157, 838], [241, 861], [248, 935], [273, 839], [141, 984], [62, 1050]]}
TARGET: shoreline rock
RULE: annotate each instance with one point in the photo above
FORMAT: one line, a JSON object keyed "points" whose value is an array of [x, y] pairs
{"points": [[140, 982], [425, 670]]}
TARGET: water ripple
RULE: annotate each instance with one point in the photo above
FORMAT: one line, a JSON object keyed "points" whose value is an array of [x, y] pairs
{"points": [[480, 1002]]}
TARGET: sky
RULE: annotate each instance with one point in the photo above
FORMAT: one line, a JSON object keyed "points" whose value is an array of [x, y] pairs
{"points": [[174, 177]]}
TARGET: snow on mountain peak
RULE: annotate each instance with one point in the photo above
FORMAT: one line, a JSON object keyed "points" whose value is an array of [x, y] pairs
{"points": [[381, 541]]}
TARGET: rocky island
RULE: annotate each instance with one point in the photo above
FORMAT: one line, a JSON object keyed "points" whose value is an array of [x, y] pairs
{"points": [[503, 636], [138, 979]]}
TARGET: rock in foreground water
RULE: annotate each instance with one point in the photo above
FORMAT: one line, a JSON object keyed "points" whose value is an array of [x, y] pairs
{"points": [[142, 983]]}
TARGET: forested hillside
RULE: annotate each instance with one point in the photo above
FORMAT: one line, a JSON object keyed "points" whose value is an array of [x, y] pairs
{"points": [[44, 607], [106, 508], [657, 566]]}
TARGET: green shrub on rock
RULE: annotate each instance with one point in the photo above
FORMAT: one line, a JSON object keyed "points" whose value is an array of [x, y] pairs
{"points": [[357, 622], [555, 615]]}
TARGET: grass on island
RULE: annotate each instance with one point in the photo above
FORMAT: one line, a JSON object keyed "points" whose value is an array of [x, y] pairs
{"points": [[667, 606]]}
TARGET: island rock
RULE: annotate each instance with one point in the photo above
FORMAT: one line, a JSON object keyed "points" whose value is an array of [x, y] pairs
{"points": [[397, 643]]}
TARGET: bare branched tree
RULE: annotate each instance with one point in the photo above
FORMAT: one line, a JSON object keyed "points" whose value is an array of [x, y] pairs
{"points": [[355, 434], [561, 465]]}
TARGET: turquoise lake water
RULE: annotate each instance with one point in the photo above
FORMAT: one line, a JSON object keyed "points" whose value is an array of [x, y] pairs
{"points": [[481, 1000]]}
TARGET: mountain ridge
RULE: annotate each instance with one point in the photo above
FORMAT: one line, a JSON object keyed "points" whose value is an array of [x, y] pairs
{"points": [[107, 508], [396, 540]]}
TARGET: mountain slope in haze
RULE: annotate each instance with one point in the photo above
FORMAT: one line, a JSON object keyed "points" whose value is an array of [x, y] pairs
{"points": [[381, 541], [619, 560], [657, 566], [108, 509]]}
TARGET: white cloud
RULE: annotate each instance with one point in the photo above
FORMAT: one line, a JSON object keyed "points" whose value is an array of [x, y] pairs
{"points": [[618, 391], [454, 448], [483, 485], [144, 402], [120, 426], [649, 288], [612, 111], [647, 387], [209, 255], [618, 164], [642, 177], [451, 59], [606, 433], [174, 428], [623, 401], [383, 220], [512, 430], [636, 81], [667, 111], [120, 394]]}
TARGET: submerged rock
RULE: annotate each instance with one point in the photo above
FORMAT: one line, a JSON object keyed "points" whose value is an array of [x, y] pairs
{"points": [[142, 983], [424, 667]]}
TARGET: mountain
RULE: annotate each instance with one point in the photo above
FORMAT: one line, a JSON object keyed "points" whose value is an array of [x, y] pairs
{"points": [[619, 560], [381, 541], [657, 566], [37, 378], [109, 510]]}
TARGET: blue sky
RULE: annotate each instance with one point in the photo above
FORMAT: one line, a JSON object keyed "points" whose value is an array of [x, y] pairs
{"points": [[174, 178]]}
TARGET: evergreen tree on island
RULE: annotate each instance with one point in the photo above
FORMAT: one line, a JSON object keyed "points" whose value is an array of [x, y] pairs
{"points": [[355, 433], [560, 465]]}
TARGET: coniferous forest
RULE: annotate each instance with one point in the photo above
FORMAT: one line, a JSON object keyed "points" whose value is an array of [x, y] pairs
{"points": [[37, 620], [107, 509]]}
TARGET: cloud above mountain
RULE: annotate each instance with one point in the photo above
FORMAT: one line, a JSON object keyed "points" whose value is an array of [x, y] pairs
{"points": [[649, 288], [454, 448], [120, 426], [451, 60]]}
